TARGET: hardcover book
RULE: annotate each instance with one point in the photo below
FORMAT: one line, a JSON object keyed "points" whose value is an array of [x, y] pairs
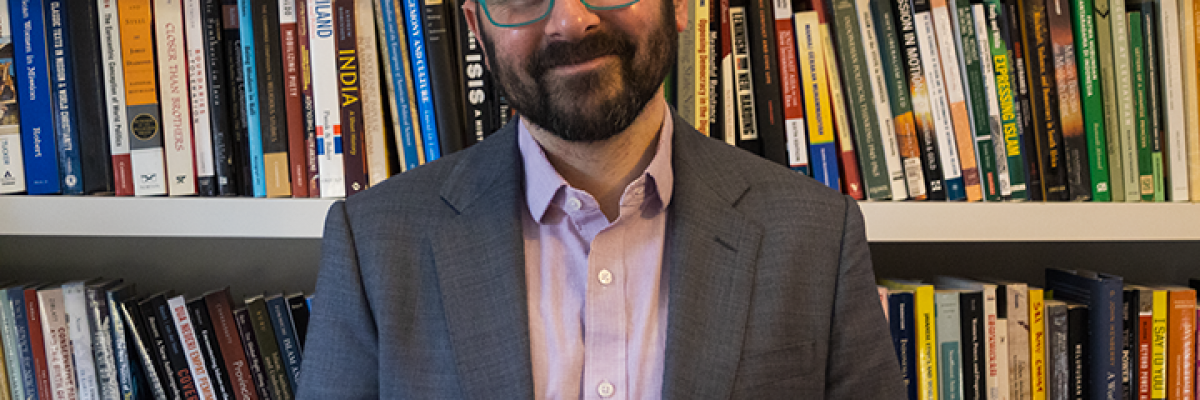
{"points": [[91, 109], [926, 324], [285, 332], [1057, 360], [1046, 135], [268, 346], [221, 104], [239, 123], [254, 358], [902, 321], [66, 107], [206, 339], [170, 366], [145, 348], [1101, 293]]}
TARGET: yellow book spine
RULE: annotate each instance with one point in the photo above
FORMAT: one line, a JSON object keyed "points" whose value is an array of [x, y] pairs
{"points": [[926, 343], [1037, 342], [1158, 355], [701, 61]]}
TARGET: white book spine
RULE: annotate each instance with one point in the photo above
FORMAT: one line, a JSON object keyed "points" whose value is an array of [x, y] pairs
{"points": [[325, 98], [942, 124], [191, 347], [80, 332], [370, 90], [1019, 371], [729, 94], [1175, 119], [102, 345], [12, 164], [58, 344], [114, 85], [979, 13], [883, 106], [1003, 387], [193, 18], [173, 97]]}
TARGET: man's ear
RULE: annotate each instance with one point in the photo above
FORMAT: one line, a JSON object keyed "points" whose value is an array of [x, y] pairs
{"points": [[681, 14], [469, 9]]}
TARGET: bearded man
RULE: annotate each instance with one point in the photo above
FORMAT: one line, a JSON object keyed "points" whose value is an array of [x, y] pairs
{"points": [[596, 247]]}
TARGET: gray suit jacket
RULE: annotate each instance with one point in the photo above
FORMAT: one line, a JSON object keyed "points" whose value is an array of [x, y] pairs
{"points": [[421, 293]]}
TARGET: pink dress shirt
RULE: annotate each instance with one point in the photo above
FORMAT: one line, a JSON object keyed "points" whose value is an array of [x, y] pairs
{"points": [[597, 291]]}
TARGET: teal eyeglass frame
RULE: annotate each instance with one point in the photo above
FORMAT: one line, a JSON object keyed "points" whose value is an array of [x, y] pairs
{"points": [[548, 8]]}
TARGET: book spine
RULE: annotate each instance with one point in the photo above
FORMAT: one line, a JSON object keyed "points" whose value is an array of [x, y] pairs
{"points": [[173, 97], [377, 151], [196, 31], [200, 384], [24, 332], [974, 343], [272, 108], [789, 84], [1191, 98], [12, 163], [949, 345], [1092, 98], [141, 98], [158, 347], [902, 322], [1006, 97], [925, 323], [811, 60], [938, 100], [116, 335], [899, 98], [251, 102], [297, 145], [1123, 81], [38, 136], [348, 90], [1077, 339], [1158, 351], [285, 331], [100, 323], [1145, 343], [746, 136], [1129, 344], [225, 329], [253, 353], [219, 105], [685, 69], [1037, 344], [716, 105], [79, 334], [211, 354], [1057, 350], [62, 81], [146, 349], [728, 94], [1141, 106], [177, 353], [951, 82], [766, 88], [872, 161], [1071, 115], [1016, 53], [1019, 372], [13, 376], [108, 34], [922, 112], [1105, 374], [971, 69], [439, 51], [300, 316], [239, 130], [304, 35], [421, 84], [883, 108], [1046, 134], [88, 65], [478, 85], [991, 98], [268, 346], [1181, 349], [59, 359], [325, 100], [1155, 113]]}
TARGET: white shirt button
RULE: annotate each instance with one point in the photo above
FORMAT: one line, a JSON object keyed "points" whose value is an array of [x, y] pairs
{"points": [[606, 389], [605, 276], [574, 204]]}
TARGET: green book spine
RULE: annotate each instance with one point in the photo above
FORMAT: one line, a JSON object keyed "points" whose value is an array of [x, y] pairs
{"points": [[861, 100], [1154, 101], [1137, 59], [901, 102], [1108, 75], [1074, 138], [1006, 97], [269, 348], [976, 99], [1091, 97]]}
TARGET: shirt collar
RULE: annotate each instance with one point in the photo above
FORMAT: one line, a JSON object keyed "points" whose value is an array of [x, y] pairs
{"points": [[543, 182]]}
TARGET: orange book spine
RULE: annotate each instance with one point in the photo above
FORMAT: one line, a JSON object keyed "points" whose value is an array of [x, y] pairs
{"points": [[1181, 345]]}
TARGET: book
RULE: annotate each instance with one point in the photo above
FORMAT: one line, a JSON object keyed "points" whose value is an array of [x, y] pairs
{"points": [[1131, 321], [27, 321], [925, 322], [38, 134], [290, 68], [87, 64], [728, 97], [996, 349], [922, 111], [145, 348], [124, 354], [251, 104], [791, 98], [1113, 41], [170, 364], [376, 143], [900, 99], [206, 339], [300, 315], [1143, 145], [1101, 293], [421, 85], [818, 107], [956, 98], [1057, 351], [990, 100], [141, 98], [263, 18], [1013, 303], [949, 344], [1077, 341], [351, 105], [1046, 135], [268, 347], [1141, 358], [285, 332], [1158, 346], [79, 333], [254, 357], [404, 120], [109, 35], [747, 136], [1038, 369], [1006, 95], [902, 322], [174, 97], [1091, 98], [847, 155], [938, 101], [12, 166], [685, 69], [325, 100], [66, 112], [1181, 339], [1152, 154], [197, 33], [199, 385], [59, 358], [1191, 95], [1074, 147], [14, 375], [438, 24], [312, 173], [860, 101], [221, 104], [1174, 115], [1024, 106], [225, 328], [972, 71], [239, 123], [974, 343], [883, 110]]}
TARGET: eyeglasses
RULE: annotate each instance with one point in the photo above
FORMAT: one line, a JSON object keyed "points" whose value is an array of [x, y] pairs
{"points": [[514, 13]]}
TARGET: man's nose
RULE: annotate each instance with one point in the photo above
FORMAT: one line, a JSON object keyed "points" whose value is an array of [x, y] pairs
{"points": [[570, 20]]}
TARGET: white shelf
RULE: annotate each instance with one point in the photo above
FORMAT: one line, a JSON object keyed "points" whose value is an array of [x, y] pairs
{"points": [[234, 217], [1024, 222], [886, 222]]}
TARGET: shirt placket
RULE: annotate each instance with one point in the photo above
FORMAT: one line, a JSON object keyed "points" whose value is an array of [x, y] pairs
{"points": [[605, 331]]}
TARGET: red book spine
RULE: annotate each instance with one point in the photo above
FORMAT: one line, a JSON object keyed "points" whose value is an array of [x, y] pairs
{"points": [[1145, 341], [297, 145], [230, 342], [33, 312]]}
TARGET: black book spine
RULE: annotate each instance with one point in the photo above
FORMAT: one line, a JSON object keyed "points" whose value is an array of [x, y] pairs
{"points": [[1016, 51], [1130, 314], [747, 136], [716, 118], [353, 141], [218, 97], [253, 355], [272, 107], [440, 50], [236, 98], [95, 158], [972, 330], [768, 95], [300, 314], [144, 368], [1058, 386], [209, 347], [1043, 97], [156, 341], [1077, 338], [475, 84]]}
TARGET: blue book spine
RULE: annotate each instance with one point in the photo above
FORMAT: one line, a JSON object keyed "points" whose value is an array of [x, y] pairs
{"points": [[16, 297], [904, 337], [392, 37], [825, 164], [285, 333], [37, 113], [258, 171], [12, 357], [1103, 296], [420, 69], [65, 119]]}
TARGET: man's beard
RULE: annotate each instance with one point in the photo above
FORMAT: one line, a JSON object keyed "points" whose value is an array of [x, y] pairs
{"points": [[593, 105]]}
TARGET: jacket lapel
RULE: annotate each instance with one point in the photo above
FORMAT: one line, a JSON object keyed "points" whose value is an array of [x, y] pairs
{"points": [[712, 251], [479, 258]]}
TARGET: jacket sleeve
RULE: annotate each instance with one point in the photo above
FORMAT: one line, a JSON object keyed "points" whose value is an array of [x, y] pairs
{"points": [[340, 352], [862, 362]]}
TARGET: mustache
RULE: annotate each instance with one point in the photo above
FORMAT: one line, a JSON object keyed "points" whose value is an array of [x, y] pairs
{"points": [[592, 46]]}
